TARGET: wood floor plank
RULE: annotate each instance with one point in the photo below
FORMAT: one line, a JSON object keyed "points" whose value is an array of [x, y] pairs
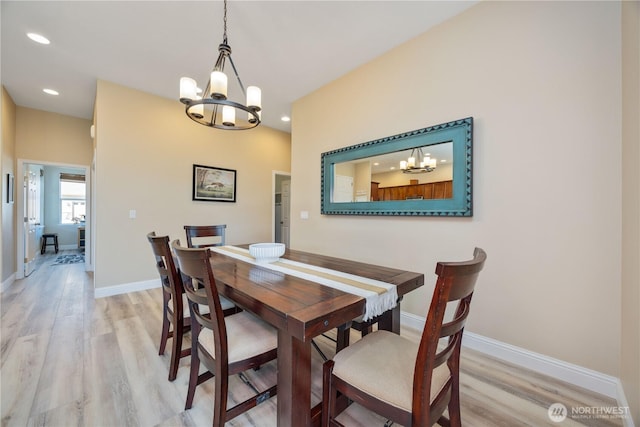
{"points": [[61, 381], [156, 399], [67, 415], [20, 377], [108, 395]]}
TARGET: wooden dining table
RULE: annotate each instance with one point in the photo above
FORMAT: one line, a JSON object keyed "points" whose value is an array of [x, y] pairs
{"points": [[300, 310]]}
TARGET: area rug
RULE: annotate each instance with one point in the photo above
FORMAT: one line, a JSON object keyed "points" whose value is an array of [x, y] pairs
{"points": [[69, 259]]}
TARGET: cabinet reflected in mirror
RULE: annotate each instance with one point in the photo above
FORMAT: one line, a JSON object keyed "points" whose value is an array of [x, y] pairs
{"points": [[403, 175], [422, 172]]}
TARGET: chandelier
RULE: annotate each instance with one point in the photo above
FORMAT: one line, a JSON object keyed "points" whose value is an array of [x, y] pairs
{"points": [[426, 163], [213, 108]]}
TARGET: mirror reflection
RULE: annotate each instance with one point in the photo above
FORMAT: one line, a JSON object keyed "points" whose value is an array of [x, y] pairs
{"points": [[425, 171], [419, 173]]}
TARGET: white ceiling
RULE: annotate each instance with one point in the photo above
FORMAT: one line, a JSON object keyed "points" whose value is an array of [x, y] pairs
{"points": [[288, 48]]}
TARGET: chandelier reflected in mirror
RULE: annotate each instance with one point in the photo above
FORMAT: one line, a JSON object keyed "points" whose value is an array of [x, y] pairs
{"points": [[424, 162], [212, 107]]}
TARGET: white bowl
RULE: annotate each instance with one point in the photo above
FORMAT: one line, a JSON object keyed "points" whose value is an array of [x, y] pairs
{"points": [[267, 252]]}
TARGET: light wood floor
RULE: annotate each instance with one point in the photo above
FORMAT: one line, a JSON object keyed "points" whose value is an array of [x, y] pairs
{"points": [[68, 359]]}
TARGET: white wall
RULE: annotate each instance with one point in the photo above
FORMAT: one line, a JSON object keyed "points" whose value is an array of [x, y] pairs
{"points": [[542, 81]]}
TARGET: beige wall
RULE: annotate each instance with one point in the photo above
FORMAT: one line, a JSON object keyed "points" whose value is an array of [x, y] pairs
{"points": [[53, 138], [146, 148], [7, 210], [630, 372], [543, 83]]}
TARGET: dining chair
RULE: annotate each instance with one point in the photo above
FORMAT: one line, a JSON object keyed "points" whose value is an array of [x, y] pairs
{"points": [[173, 303], [205, 236], [407, 382], [225, 345]]}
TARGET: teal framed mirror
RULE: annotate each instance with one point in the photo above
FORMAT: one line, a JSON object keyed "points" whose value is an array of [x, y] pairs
{"points": [[425, 172]]}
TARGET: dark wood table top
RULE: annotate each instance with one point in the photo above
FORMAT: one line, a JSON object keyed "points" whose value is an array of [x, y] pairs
{"points": [[304, 307]]}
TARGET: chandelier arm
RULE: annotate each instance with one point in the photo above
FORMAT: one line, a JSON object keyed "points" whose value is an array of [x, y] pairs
{"points": [[220, 61], [214, 116], [235, 71], [216, 104]]}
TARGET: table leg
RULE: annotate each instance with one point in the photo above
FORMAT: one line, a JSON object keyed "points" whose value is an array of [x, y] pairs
{"points": [[294, 381], [390, 320]]}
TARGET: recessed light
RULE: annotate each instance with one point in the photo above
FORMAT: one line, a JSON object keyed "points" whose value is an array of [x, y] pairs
{"points": [[285, 118], [38, 38], [50, 91], [443, 161]]}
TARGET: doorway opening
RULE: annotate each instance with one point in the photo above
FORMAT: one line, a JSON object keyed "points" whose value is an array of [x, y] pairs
{"points": [[49, 201], [281, 207]]}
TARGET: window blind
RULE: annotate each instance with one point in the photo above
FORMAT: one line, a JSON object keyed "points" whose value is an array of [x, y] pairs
{"points": [[71, 177]]}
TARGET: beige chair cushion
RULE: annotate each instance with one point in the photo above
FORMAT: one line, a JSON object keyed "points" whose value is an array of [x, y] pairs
{"points": [[382, 365], [247, 336], [204, 309]]}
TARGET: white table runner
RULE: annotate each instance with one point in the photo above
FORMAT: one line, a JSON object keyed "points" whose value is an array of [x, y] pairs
{"points": [[379, 296]]}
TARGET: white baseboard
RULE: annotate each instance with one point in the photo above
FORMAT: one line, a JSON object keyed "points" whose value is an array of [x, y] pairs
{"points": [[573, 374], [5, 285], [126, 288]]}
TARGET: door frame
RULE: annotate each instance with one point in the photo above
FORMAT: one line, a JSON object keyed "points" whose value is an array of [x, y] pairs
{"points": [[273, 201], [19, 229]]}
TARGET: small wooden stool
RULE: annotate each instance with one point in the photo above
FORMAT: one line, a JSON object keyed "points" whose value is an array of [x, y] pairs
{"points": [[45, 242]]}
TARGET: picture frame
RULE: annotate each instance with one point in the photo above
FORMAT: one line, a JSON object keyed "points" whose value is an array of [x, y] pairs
{"points": [[213, 184], [10, 187]]}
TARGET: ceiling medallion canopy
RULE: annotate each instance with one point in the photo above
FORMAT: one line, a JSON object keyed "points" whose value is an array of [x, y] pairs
{"points": [[212, 108], [426, 163]]}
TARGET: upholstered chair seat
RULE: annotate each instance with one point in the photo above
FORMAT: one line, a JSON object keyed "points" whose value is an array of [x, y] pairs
{"points": [[382, 366], [247, 336]]}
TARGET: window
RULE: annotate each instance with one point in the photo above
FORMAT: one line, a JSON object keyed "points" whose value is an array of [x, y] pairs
{"points": [[72, 198]]}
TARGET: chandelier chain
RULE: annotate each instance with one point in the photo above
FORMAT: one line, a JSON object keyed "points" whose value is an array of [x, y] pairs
{"points": [[225, 22]]}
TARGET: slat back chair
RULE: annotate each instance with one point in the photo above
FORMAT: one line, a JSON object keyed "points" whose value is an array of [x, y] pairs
{"points": [[409, 383], [225, 345], [173, 309], [205, 236]]}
